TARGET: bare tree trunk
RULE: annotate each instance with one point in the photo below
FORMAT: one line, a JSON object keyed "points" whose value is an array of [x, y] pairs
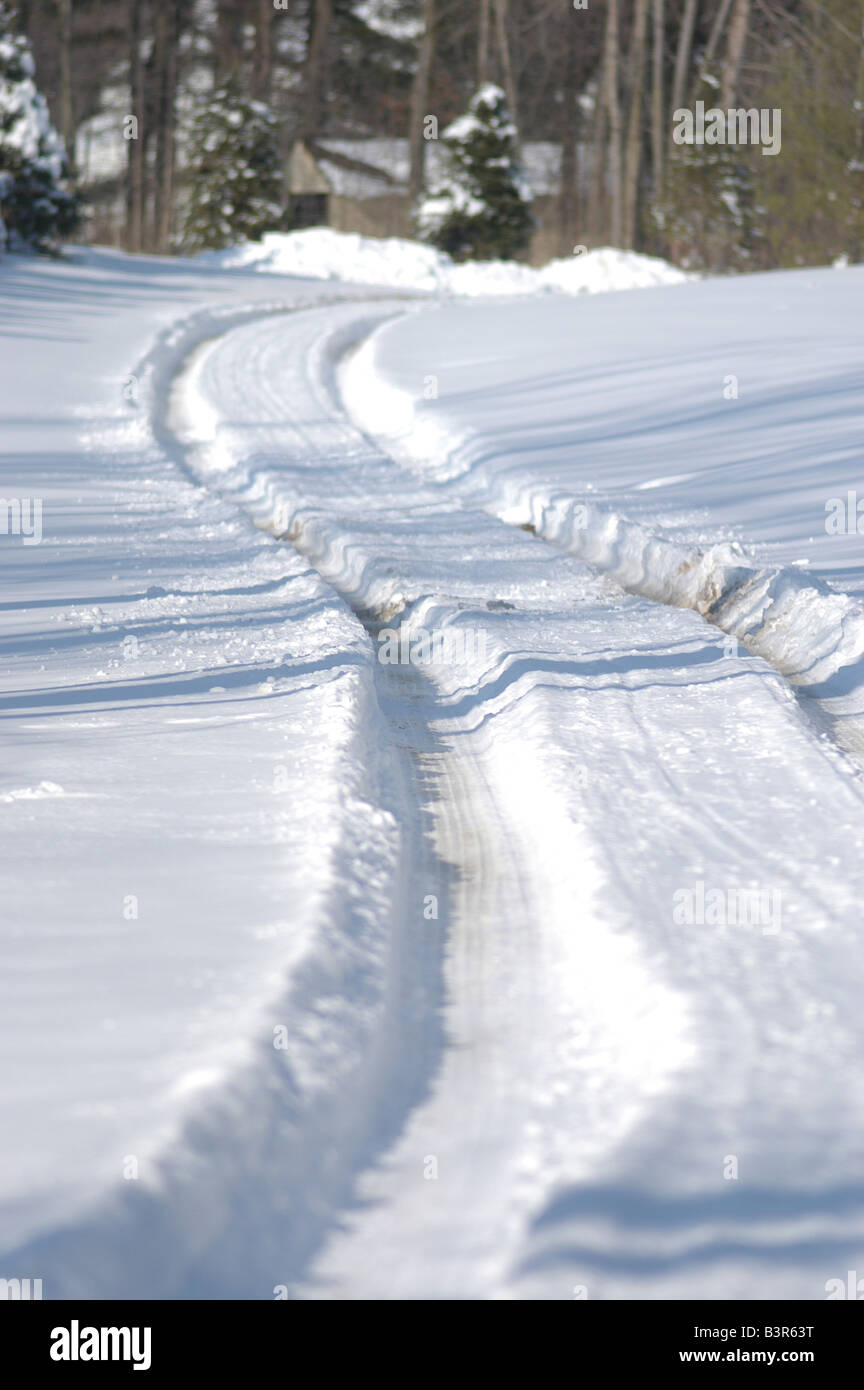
{"points": [[714, 36], [734, 53], [135, 144], [228, 50], [682, 57], [598, 198], [856, 207], [167, 36], [420, 102], [483, 44], [262, 63], [501, 25], [571, 116], [613, 107], [634, 125], [67, 121], [657, 106], [320, 20]]}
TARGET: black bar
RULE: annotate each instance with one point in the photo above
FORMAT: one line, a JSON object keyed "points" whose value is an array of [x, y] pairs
{"points": [[228, 1338]]}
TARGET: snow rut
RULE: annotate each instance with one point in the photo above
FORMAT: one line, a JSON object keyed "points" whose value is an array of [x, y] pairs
{"points": [[257, 414], [596, 755], [246, 1159], [809, 632], [812, 634]]}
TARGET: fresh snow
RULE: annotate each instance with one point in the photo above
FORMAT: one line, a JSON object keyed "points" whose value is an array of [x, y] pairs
{"points": [[24, 118], [345, 977]]}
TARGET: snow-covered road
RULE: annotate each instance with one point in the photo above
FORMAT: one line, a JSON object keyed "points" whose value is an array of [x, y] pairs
{"points": [[598, 755], [529, 971]]}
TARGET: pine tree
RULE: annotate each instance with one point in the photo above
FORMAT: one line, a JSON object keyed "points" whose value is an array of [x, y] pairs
{"points": [[479, 208], [234, 189], [38, 207], [709, 218], [814, 193]]}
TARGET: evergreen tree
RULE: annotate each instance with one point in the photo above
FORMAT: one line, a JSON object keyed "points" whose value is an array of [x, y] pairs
{"points": [[479, 208], [709, 218], [38, 207], [814, 193], [234, 188]]}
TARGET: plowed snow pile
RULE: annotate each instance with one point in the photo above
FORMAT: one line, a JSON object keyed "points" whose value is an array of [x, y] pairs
{"points": [[323, 254]]}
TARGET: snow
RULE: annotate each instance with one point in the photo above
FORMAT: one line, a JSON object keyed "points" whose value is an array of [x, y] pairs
{"points": [[24, 117], [99, 155], [711, 480], [387, 17], [198, 849], [435, 209], [632, 1049], [367, 980], [323, 254]]}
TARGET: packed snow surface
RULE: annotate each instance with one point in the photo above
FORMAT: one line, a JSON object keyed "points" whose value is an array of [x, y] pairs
{"points": [[702, 447], [397, 905]]}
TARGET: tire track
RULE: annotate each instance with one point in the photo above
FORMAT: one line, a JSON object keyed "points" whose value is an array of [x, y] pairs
{"points": [[586, 1029]]}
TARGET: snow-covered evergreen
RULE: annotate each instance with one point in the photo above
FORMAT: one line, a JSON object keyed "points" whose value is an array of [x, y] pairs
{"points": [[38, 206], [234, 189], [479, 208]]}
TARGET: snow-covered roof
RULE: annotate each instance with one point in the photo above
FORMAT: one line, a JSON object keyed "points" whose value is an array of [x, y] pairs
{"points": [[101, 154], [100, 149], [541, 162], [387, 164]]}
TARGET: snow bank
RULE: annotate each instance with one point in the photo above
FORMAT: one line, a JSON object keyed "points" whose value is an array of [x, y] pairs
{"points": [[522, 426], [323, 254]]}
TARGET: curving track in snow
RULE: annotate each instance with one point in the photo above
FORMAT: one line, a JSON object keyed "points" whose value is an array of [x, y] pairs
{"points": [[588, 757]]}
